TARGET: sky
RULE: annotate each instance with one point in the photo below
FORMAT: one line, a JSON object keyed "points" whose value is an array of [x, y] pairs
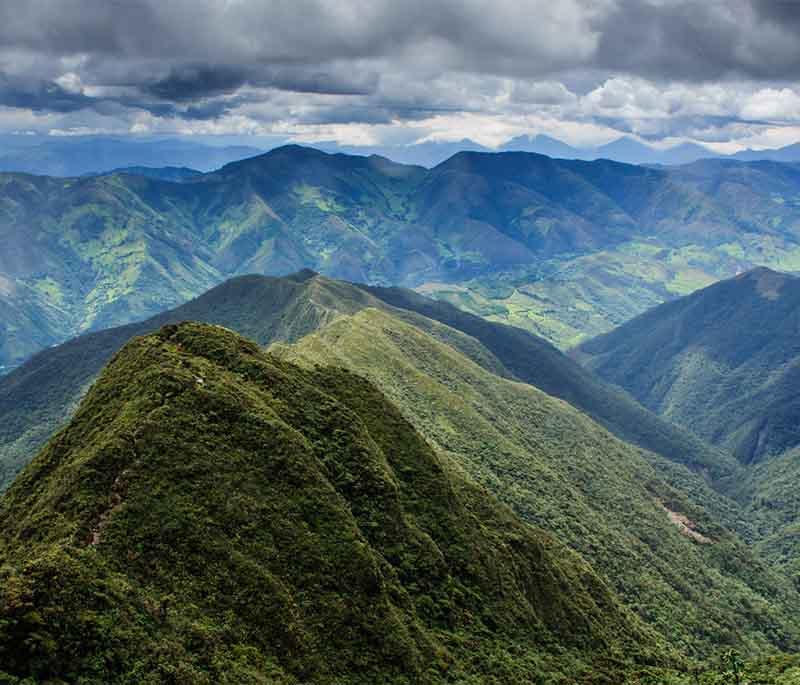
{"points": [[725, 73]]}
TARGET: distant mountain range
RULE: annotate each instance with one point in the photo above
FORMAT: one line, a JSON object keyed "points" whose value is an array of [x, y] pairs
{"points": [[508, 235], [624, 149], [789, 153], [80, 155]]}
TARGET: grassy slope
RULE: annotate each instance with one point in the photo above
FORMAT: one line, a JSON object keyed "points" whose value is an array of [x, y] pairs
{"points": [[102, 251], [213, 515], [691, 226], [94, 252], [538, 454], [573, 298], [723, 362]]}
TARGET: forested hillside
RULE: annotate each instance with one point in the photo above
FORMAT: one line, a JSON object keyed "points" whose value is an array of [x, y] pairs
{"points": [[561, 247], [723, 362], [535, 452], [329, 544]]}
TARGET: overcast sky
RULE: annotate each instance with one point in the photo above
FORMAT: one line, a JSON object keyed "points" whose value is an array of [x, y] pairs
{"points": [[725, 72]]}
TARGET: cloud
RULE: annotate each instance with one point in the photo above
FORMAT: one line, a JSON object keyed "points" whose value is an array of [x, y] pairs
{"points": [[652, 67], [40, 96], [701, 40], [541, 93], [773, 104]]}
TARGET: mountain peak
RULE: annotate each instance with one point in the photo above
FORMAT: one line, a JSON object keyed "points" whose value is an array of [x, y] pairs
{"points": [[258, 522], [626, 149], [760, 271], [283, 152], [302, 276], [466, 159], [768, 283], [296, 149]]}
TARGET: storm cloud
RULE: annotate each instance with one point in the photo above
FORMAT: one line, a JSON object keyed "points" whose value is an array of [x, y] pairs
{"points": [[656, 68]]}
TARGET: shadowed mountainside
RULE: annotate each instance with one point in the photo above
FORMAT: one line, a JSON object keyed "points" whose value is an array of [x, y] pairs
{"points": [[723, 362]]}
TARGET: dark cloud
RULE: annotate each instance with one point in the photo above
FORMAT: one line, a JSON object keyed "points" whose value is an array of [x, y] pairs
{"points": [[348, 114], [40, 96], [701, 40], [59, 27], [383, 61], [190, 82], [316, 79], [784, 13]]}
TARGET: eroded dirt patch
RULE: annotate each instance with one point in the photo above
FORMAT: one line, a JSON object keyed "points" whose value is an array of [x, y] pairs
{"points": [[685, 525]]}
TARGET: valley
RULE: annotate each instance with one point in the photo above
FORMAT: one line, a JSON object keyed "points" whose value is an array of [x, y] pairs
{"points": [[723, 362]]}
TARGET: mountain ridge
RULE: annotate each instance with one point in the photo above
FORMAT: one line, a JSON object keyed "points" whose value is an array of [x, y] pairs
{"points": [[491, 425], [268, 309], [94, 252], [536, 453], [79, 155], [271, 310], [720, 361], [327, 546]]}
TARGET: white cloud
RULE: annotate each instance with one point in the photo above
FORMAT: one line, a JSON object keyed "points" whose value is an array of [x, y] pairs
{"points": [[773, 104]]}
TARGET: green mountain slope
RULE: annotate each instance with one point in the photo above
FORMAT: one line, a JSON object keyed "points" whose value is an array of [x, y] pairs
{"points": [[101, 251], [723, 362], [624, 238], [43, 393], [563, 248], [533, 360], [213, 515], [39, 396], [699, 586], [536, 452], [774, 504]]}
